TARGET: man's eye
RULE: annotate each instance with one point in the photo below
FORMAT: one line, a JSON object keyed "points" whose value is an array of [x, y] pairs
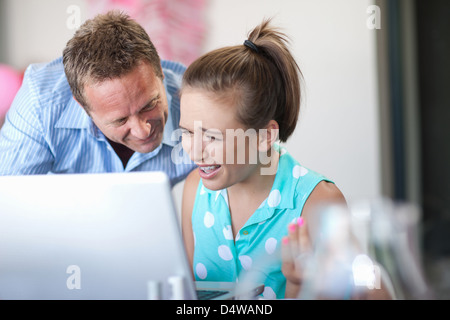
{"points": [[121, 121], [150, 106]]}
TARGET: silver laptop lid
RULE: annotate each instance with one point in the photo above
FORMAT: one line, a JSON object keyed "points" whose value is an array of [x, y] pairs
{"points": [[90, 236]]}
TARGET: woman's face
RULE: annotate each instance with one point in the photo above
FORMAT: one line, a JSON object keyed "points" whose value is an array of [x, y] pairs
{"points": [[225, 151]]}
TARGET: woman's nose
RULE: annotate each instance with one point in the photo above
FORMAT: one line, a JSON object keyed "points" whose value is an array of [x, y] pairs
{"points": [[196, 150]]}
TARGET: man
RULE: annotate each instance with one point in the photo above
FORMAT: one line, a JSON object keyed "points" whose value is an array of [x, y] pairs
{"points": [[107, 105]]}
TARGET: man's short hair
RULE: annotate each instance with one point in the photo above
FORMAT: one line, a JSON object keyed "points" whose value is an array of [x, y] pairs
{"points": [[106, 47]]}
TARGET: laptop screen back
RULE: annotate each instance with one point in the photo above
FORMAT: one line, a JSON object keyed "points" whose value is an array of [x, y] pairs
{"points": [[89, 236]]}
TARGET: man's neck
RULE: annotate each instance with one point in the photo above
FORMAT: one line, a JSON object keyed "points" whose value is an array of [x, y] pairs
{"points": [[122, 151]]}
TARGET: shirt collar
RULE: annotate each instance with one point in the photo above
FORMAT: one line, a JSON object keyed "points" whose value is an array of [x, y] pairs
{"points": [[74, 117]]}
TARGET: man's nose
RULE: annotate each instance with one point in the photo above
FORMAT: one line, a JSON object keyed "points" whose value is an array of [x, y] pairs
{"points": [[141, 128]]}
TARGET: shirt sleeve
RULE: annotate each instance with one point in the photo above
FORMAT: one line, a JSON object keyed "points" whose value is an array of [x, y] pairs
{"points": [[23, 147]]}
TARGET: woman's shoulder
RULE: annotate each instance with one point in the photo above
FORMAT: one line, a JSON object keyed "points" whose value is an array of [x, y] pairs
{"points": [[310, 183], [301, 176], [326, 191]]}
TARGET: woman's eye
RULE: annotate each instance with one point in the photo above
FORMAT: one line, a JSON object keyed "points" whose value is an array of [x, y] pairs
{"points": [[212, 139], [186, 133]]}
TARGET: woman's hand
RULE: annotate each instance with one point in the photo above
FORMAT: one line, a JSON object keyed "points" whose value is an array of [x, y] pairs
{"points": [[295, 249], [295, 246]]}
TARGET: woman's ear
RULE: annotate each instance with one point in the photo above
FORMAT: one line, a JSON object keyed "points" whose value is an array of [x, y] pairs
{"points": [[268, 136]]}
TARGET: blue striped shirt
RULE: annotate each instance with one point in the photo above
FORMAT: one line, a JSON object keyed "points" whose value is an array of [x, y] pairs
{"points": [[46, 131]]}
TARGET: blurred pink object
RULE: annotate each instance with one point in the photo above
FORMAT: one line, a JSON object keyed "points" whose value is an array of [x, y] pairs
{"points": [[10, 82], [176, 27]]}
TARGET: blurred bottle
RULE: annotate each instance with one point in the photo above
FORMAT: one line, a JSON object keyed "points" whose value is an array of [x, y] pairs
{"points": [[393, 239], [368, 250], [328, 270]]}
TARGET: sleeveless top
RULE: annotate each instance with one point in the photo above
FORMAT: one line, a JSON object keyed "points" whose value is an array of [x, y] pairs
{"points": [[255, 253]]}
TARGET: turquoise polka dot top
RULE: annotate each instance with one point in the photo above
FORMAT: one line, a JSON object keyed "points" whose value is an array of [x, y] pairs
{"points": [[255, 253]]}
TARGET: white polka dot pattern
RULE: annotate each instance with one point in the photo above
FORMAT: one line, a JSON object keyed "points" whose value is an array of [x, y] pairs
{"points": [[200, 269], [274, 198], [271, 245], [225, 253], [209, 219], [220, 255]]}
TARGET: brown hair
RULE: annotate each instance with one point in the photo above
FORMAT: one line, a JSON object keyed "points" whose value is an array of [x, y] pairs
{"points": [[106, 47], [262, 78]]}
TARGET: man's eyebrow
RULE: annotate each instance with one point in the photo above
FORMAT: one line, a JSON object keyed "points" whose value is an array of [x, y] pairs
{"points": [[156, 97], [117, 120]]}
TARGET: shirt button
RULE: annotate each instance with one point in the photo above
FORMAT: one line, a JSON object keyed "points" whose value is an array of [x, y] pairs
{"points": [[245, 232]]}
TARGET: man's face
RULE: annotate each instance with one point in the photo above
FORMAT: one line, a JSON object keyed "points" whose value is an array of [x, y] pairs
{"points": [[131, 110]]}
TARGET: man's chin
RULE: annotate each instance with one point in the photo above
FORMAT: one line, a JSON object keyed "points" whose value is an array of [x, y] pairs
{"points": [[146, 147]]}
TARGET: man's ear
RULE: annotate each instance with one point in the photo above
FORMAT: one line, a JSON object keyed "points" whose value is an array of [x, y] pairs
{"points": [[77, 101], [268, 136], [161, 70]]}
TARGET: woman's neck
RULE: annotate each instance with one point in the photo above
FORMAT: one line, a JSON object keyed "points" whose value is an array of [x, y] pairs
{"points": [[245, 197], [259, 183]]}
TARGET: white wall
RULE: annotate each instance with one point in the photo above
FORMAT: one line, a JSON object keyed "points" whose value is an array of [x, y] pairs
{"points": [[37, 29], [338, 132]]}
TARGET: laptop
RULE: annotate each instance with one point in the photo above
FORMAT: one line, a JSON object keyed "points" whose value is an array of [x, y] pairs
{"points": [[95, 236]]}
